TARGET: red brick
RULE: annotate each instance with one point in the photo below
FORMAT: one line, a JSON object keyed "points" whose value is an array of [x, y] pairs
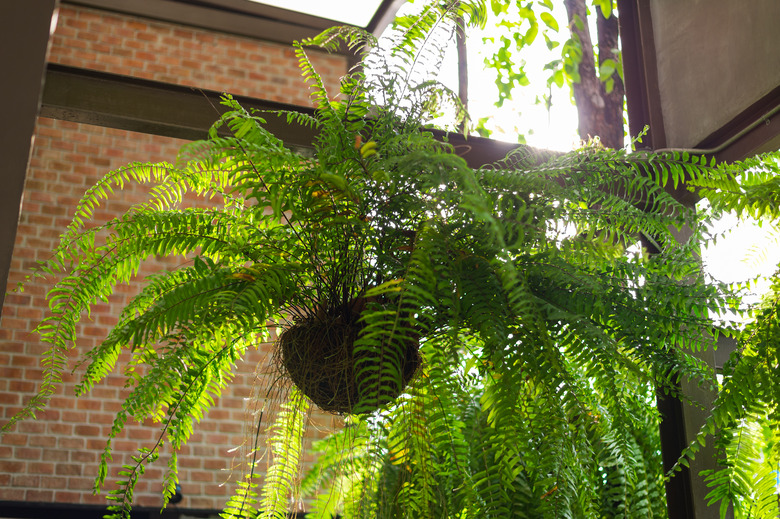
{"points": [[215, 464], [53, 481], [154, 501], [74, 416], [33, 495], [202, 476], [125, 446], [68, 497], [12, 466], [12, 494], [103, 392], [23, 480], [196, 463], [86, 457], [27, 453], [106, 418], [55, 455], [137, 433], [21, 386], [81, 483], [96, 445], [68, 469], [25, 360], [10, 399], [87, 430], [14, 323], [61, 429], [69, 436], [88, 404], [14, 439], [71, 443], [213, 490], [42, 441], [17, 299]]}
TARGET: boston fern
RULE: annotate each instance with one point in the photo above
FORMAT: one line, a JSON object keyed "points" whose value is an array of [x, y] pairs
{"points": [[492, 337]]}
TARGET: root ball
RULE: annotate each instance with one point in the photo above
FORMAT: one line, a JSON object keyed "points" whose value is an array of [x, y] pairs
{"points": [[319, 356]]}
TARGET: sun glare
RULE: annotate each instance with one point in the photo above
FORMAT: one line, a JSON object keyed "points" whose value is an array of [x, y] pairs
{"points": [[344, 11]]}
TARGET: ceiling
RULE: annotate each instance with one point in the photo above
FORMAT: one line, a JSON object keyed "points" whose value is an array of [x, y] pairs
{"points": [[342, 11], [703, 79]]}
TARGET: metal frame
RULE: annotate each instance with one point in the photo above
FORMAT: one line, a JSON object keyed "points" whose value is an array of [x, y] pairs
{"points": [[643, 100], [20, 94], [154, 107], [756, 129], [33, 510], [640, 72]]}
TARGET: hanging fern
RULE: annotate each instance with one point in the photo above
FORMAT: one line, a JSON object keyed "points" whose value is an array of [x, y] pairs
{"points": [[492, 338]]}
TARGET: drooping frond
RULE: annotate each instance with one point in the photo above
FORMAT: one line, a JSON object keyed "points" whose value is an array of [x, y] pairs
{"points": [[286, 451]]}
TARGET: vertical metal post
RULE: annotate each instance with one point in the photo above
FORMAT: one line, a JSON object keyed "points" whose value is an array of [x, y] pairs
{"points": [[686, 491], [463, 65], [24, 40], [681, 421]]}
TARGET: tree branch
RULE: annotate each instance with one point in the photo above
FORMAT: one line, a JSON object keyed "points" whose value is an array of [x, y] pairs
{"points": [[599, 114]]}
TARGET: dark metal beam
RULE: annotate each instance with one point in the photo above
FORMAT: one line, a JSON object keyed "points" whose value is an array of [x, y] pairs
{"points": [[644, 115], [157, 108], [754, 130], [640, 73], [153, 107], [679, 495], [384, 16], [43, 510], [257, 10], [20, 95], [740, 138], [686, 490]]}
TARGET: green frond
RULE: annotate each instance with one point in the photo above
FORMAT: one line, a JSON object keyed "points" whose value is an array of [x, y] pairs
{"points": [[286, 450]]}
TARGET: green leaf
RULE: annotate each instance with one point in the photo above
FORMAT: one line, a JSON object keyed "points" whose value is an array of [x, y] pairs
{"points": [[579, 23], [549, 21], [558, 78], [531, 34], [336, 181], [606, 69], [551, 44], [498, 6], [605, 6]]}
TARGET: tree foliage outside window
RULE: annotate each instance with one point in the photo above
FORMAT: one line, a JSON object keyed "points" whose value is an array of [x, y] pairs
{"points": [[584, 62], [543, 334]]}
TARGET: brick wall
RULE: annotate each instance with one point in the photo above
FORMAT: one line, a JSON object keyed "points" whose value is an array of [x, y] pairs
{"points": [[96, 40], [54, 458]]}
